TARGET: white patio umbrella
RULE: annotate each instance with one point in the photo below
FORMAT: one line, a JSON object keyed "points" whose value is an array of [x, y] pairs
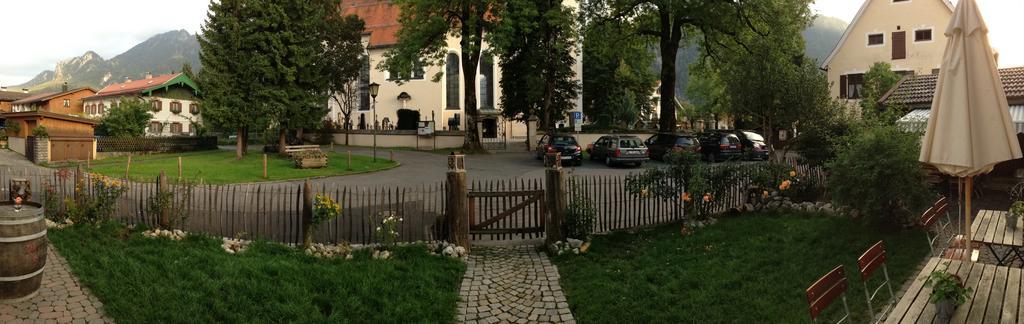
{"points": [[970, 129]]}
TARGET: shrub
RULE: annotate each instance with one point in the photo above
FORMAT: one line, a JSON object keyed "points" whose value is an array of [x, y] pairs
{"points": [[579, 215], [40, 131], [387, 232], [877, 173], [172, 201], [12, 126], [95, 202], [129, 118]]}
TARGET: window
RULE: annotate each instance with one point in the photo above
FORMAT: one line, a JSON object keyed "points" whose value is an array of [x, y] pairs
{"points": [[452, 81], [364, 85], [157, 105], [156, 127], [876, 39], [899, 45], [417, 72], [102, 108], [67, 102], [487, 82], [935, 71], [193, 108], [923, 35], [851, 85], [175, 128], [176, 107]]}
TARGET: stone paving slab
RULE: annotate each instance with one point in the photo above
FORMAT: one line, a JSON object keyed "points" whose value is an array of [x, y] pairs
{"points": [[61, 299], [511, 285]]}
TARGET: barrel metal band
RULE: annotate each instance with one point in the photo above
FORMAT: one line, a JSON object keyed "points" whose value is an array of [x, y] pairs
{"points": [[22, 238], [23, 277], [21, 221]]}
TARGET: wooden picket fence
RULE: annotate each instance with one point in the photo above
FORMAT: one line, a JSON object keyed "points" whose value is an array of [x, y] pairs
{"points": [[273, 211], [155, 144]]}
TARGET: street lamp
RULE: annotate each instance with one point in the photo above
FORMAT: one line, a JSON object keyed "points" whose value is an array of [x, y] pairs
{"points": [[374, 87]]}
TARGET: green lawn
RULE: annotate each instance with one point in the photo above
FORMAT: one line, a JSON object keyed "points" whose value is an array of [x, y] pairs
{"points": [[752, 268], [220, 167], [144, 280]]}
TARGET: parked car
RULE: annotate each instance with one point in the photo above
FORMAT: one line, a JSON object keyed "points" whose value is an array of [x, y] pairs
{"points": [[720, 145], [663, 143], [562, 143], [619, 149], [754, 146]]}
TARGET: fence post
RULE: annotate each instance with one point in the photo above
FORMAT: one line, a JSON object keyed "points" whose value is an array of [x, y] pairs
{"points": [[179, 168], [349, 160], [307, 215], [457, 213], [128, 167], [555, 200], [161, 189], [264, 165]]}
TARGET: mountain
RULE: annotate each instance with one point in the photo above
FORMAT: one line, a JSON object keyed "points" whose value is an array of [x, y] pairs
{"points": [[160, 54], [822, 36]]}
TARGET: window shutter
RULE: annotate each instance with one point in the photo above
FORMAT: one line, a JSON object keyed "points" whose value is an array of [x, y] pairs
{"points": [[842, 86], [899, 45]]}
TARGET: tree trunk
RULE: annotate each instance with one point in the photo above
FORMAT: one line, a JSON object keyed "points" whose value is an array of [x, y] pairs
{"points": [[281, 142], [470, 59], [671, 33], [239, 150], [245, 139], [299, 132]]}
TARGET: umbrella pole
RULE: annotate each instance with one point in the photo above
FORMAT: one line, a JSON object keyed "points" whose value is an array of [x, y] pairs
{"points": [[967, 215]]}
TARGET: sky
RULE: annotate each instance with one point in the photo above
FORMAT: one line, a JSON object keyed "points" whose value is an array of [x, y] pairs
{"points": [[1002, 16], [43, 36], [39, 33]]}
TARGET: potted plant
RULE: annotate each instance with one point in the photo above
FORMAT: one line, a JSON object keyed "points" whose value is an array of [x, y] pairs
{"points": [[1016, 211], [948, 292]]}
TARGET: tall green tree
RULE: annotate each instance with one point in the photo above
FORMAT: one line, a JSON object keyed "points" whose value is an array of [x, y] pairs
{"points": [[426, 25], [343, 49], [617, 74], [768, 82], [127, 118], [879, 79], [676, 22], [233, 71], [535, 42]]}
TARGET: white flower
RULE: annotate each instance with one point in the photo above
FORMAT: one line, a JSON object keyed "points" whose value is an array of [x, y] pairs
{"points": [[378, 228]]}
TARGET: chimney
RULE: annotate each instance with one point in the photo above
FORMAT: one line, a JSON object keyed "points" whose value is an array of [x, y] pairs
{"points": [[149, 75], [64, 87]]}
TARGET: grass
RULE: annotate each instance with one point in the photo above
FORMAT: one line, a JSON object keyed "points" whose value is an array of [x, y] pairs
{"points": [[144, 280], [220, 167], [748, 269]]}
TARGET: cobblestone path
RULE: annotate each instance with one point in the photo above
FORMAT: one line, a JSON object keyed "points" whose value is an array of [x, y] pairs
{"points": [[61, 299], [511, 285]]}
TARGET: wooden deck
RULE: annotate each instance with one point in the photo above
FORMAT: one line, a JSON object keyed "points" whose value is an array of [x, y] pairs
{"points": [[995, 297]]}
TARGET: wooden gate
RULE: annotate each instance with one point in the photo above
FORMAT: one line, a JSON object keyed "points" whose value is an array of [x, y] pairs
{"points": [[506, 210], [70, 149], [30, 148]]}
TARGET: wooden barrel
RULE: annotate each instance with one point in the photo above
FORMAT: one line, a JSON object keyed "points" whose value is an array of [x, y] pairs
{"points": [[22, 251]]}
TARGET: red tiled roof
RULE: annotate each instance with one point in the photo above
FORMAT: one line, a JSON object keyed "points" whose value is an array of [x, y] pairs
{"points": [[47, 96], [920, 89], [380, 16], [133, 87]]}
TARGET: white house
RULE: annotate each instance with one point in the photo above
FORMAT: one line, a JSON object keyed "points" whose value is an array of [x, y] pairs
{"points": [[173, 98]]}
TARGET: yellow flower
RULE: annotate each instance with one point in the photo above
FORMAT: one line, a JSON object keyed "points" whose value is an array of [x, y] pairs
{"points": [[764, 194], [643, 192], [785, 185], [792, 173]]}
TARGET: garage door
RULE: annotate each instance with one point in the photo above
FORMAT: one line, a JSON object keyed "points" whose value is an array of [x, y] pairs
{"points": [[66, 149]]}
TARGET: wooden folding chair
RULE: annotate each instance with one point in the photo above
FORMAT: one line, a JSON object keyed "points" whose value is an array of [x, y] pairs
{"points": [[869, 262], [941, 208], [824, 292], [931, 231]]}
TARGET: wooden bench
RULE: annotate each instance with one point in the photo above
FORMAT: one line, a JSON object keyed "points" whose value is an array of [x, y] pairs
{"points": [[291, 150]]}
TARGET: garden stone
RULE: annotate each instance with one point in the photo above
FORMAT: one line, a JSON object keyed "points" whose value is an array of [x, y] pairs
{"points": [[827, 209], [748, 207], [574, 242]]}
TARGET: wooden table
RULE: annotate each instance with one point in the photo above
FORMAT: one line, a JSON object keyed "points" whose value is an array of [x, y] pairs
{"points": [[990, 229], [995, 297]]}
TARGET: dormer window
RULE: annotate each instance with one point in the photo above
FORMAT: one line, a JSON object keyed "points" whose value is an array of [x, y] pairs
{"points": [[157, 105], [176, 107], [876, 39]]}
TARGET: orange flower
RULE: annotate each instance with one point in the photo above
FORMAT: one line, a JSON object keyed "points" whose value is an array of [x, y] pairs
{"points": [[785, 185], [764, 194], [685, 196]]}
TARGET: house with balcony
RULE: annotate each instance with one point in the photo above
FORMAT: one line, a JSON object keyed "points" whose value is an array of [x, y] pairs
{"points": [[173, 100], [7, 97], [67, 101], [440, 101], [907, 34]]}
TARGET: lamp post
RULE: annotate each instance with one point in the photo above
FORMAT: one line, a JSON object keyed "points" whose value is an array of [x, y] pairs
{"points": [[374, 87]]}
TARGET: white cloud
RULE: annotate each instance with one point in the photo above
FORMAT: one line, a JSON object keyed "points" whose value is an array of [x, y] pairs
{"points": [[38, 33], [1002, 16]]}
